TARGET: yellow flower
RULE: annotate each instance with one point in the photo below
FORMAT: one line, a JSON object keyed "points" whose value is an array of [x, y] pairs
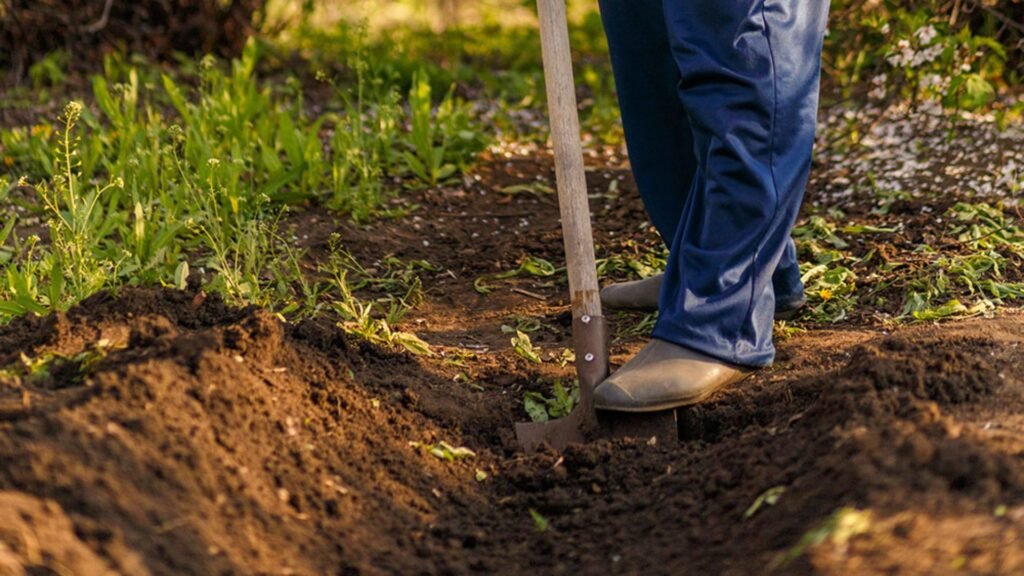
{"points": [[8, 161], [825, 294]]}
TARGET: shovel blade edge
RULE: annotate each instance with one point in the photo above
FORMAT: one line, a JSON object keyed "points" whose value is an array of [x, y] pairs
{"points": [[557, 434]]}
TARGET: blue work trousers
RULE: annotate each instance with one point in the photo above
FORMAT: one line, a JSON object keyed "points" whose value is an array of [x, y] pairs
{"points": [[719, 102]]}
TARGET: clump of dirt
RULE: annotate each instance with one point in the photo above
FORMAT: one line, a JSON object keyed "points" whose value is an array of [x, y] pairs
{"points": [[37, 537], [958, 371], [200, 438]]}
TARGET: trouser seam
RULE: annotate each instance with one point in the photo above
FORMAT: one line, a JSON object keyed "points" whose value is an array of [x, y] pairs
{"points": [[771, 170]]}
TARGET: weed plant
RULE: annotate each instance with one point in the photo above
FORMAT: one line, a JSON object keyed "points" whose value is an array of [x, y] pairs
{"points": [[964, 276], [370, 320]]}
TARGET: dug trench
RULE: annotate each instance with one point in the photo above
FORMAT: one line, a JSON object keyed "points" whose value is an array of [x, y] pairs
{"points": [[156, 431]]}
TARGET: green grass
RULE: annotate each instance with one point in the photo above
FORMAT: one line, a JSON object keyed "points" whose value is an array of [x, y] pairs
{"points": [[373, 320], [167, 174], [966, 276]]}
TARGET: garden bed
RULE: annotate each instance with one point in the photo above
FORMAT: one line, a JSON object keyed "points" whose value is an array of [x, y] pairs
{"points": [[163, 431]]}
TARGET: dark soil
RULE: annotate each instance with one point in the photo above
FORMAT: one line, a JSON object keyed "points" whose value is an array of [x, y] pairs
{"points": [[85, 31], [216, 440], [164, 432]]}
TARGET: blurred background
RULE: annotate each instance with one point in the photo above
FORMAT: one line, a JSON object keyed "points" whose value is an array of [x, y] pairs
{"points": [[30, 29]]}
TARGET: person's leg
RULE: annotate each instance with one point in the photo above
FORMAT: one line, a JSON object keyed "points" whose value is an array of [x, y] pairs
{"points": [[656, 126], [660, 139], [642, 295], [750, 72], [749, 81]]}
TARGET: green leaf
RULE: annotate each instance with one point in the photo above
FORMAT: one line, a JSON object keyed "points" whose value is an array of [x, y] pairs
{"points": [[446, 171], [540, 523], [536, 407], [445, 451], [951, 308], [104, 100], [177, 98], [770, 497], [56, 287], [914, 304], [524, 347], [838, 528], [181, 276], [412, 343], [537, 188], [977, 92], [140, 224], [6, 231], [866, 229], [537, 267]]}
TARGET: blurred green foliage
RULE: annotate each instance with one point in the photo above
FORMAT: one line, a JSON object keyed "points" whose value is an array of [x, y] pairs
{"points": [[960, 52], [191, 166]]}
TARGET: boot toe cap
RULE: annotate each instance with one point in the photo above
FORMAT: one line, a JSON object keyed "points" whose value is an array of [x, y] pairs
{"points": [[610, 396]]}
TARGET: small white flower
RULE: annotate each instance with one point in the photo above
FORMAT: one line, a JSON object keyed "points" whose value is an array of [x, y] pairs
{"points": [[926, 34], [905, 54], [927, 55], [933, 81]]}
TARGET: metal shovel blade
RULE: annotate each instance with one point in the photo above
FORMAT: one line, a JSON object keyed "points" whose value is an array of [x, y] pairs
{"points": [[584, 423], [591, 344], [555, 433]]}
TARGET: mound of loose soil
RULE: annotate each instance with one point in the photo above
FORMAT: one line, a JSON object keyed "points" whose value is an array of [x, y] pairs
{"points": [[213, 440], [205, 439]]}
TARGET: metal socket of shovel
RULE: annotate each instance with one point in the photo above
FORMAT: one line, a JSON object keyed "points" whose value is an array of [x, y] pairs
{"points": [[589, 332]]}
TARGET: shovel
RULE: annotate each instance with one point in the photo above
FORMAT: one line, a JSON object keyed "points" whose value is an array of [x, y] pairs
{"points": [[588, 326], [589, 332]]}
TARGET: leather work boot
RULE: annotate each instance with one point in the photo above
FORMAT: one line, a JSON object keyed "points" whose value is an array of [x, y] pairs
{"points": [[639, 295], [642, 296], [789, 309], [663, 376]]}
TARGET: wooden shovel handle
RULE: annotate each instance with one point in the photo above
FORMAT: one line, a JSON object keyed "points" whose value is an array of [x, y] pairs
{"points": [[569, 173]]}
